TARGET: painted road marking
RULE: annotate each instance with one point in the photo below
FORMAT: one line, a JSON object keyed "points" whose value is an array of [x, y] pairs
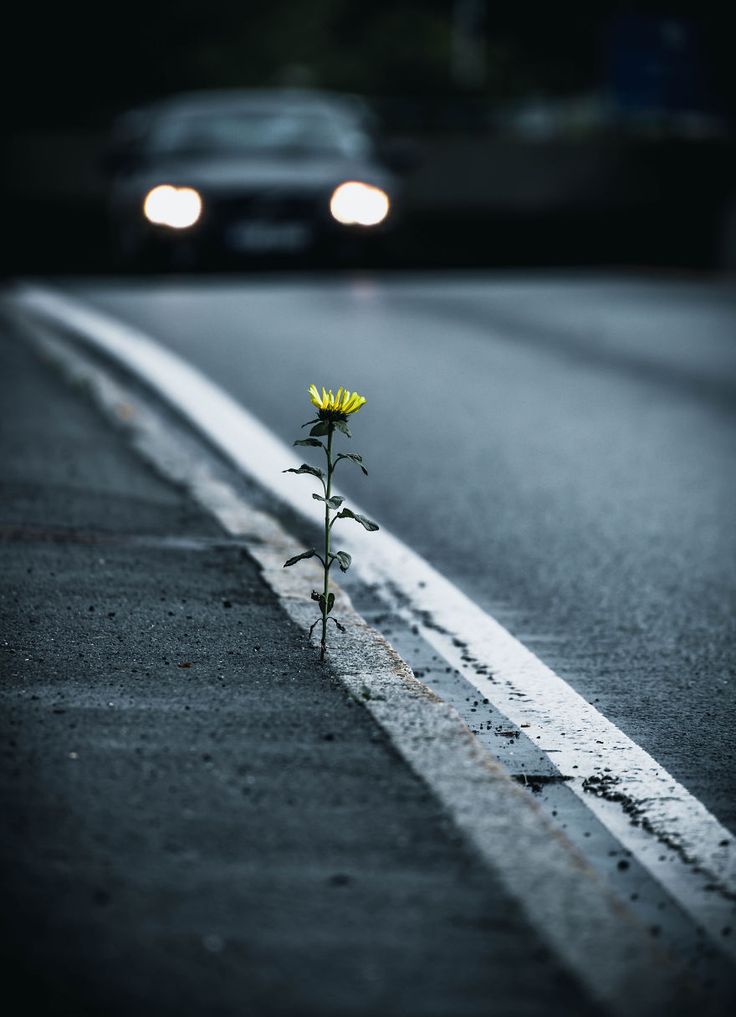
{"points": [[631, 794], [587, 927]]}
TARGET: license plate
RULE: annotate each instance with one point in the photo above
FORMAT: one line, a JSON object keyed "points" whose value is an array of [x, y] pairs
{"points": [[269, 236]]}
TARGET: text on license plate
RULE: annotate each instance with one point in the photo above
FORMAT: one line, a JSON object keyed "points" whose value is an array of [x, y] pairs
{"points": [[269, 236]]}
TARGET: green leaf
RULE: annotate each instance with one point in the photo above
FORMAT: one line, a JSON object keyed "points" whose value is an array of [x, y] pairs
{"points": [[343, 560], [312, 442], [305, 554], [320, 598], [363, 520], [354, 458], [340, 627], [315, 471], [334, 502], [314, 421], [342, 426], [321, 427]]}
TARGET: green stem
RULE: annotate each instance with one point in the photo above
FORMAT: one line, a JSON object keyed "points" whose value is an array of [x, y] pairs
{"points": [[326, 590]]}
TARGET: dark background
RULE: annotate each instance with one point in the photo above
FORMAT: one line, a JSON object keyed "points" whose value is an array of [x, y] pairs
{"points": [[544, 134]]}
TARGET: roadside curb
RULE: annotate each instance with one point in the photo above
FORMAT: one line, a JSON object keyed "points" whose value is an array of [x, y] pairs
{"points": [[586, 926]]}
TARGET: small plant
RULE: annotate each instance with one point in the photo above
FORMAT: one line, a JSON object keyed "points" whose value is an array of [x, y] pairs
{"points": [[332, 415]]}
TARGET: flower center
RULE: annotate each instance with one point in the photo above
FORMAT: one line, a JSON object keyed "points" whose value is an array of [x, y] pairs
{"points": [[331, 415]]}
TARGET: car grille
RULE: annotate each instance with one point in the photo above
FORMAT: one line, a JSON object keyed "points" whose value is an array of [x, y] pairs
{"points": [[272, 207]]}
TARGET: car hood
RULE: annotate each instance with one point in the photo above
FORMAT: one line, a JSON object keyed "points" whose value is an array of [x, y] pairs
{"points": [[233, 175]]}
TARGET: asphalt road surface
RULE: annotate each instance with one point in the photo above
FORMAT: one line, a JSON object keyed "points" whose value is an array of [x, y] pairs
{"points": [[562, 448], [196, 817]]}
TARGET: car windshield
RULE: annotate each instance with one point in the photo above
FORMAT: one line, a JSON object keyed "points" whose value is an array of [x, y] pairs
{"points": [[256, 132]]}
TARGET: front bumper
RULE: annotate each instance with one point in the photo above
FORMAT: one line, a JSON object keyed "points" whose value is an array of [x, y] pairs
{"points": [[249, 226]]}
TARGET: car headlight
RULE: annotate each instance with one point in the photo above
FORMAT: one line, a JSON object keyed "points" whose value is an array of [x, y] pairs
{"points": [[357, 204], [177, 207]]}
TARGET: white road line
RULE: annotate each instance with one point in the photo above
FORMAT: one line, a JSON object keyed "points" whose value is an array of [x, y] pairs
{"points": [[586, 926], [581, 742]]}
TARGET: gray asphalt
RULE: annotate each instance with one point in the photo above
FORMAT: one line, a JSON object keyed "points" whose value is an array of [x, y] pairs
{"points": [[561, 447], [196, 818]]}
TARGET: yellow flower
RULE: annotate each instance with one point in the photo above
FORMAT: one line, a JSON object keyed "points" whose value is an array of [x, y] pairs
{"points": [[343, 403]]}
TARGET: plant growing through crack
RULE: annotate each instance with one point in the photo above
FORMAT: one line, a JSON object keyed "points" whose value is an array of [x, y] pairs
{"points": [[332, 415]]}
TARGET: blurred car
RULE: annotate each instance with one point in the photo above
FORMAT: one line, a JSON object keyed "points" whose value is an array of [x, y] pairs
{"points": [[247, 173]]}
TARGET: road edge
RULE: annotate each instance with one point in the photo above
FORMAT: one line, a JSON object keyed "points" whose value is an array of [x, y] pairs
{"points": [[587, 927]]}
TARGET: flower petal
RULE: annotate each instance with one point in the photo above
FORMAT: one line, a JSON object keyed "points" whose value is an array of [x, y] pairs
{"points": [[344, 402]]}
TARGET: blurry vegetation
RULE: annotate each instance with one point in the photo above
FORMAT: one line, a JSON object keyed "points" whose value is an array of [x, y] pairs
{"points": [[79, 68]]}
